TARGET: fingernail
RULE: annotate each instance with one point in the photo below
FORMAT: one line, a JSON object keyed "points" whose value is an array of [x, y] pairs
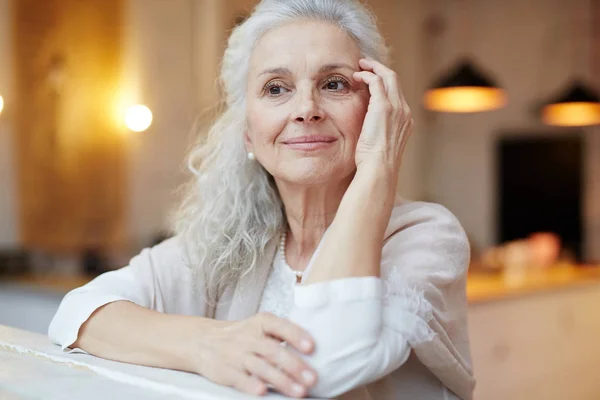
{"points": [[308, 377], [297, 389], [305, 344]]}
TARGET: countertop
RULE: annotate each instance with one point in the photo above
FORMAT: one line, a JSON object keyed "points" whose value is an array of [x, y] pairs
{"points": [[485, 287], [481, 287]]}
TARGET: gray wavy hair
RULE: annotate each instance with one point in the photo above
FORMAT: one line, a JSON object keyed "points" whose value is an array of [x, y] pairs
{"points": [[231, 208]]}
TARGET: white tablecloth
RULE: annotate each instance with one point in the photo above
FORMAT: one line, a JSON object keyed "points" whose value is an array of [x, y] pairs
{"points": [[31, 367]]}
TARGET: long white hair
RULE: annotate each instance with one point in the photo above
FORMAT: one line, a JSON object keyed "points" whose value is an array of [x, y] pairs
{"points": [[231, 208]]}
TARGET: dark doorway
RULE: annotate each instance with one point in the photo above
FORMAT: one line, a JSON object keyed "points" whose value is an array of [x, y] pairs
{"points": [[540, 188]]}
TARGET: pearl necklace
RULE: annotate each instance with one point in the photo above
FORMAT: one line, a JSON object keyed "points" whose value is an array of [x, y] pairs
{"points": [[296, 272]]}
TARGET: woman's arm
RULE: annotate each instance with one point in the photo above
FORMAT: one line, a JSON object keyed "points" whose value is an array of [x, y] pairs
{"points": [[340, 302], [124, 331], [366, 327], [152, 313], [122, 315], [146, 281], [354, 344], [352, 245]]}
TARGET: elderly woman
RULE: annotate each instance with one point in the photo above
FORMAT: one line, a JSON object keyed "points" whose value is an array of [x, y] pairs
{"points": [[294, 265]]}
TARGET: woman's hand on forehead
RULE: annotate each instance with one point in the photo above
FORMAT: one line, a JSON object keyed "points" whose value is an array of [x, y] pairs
{"points": [[388, 123]]}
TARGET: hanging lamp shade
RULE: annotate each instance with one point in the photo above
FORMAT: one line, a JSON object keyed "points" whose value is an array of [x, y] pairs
{"points": [[577, 105], [464, 89]]}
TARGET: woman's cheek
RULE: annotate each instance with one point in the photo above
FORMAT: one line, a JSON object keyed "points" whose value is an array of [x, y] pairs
{"points": [[265, 129], [356, 122]]}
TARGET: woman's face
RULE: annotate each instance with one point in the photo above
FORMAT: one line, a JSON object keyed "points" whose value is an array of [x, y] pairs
{"points": [[304, 110]]}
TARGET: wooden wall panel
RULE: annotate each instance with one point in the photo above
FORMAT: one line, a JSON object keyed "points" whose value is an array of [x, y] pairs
{"points": [[70, 150]]}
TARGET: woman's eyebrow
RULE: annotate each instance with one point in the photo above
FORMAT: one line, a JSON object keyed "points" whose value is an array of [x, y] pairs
{"points": [[278, 71], [331, 67], [324, 68]]}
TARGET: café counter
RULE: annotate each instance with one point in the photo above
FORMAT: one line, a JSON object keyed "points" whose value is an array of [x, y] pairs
{"points": [[533, 336]]}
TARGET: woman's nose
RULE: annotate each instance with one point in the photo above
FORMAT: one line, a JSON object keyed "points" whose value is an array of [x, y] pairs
{"points": [[308, 108]]}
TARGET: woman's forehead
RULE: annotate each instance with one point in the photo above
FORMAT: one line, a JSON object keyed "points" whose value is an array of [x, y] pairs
{"points": [[314, 45]]}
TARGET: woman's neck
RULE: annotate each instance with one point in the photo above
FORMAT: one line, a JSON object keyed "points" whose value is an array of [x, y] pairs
{"points": [[309, 211]]}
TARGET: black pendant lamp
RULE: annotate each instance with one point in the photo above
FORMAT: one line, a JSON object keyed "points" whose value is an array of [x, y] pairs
{"points": [[576, 105], [464, 89]]}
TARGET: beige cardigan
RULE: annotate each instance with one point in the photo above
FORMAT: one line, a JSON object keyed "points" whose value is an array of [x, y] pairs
{"points": [[424, 262]]}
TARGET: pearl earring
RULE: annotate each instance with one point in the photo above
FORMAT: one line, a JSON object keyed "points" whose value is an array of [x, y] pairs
{"points": [[251, 156]]}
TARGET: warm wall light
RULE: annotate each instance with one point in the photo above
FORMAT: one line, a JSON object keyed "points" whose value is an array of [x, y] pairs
{"points": [[464, 90], [1, 104], [138, 118]]}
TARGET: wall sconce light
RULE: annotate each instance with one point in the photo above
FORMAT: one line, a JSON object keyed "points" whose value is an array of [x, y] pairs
{"points": [[1, 104], [138, 118]]}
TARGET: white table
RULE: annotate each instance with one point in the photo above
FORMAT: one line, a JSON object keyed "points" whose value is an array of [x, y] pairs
{"points": [[31, 367]]}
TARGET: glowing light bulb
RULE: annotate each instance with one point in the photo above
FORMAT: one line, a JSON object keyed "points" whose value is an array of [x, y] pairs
{"points": [[138, 118]]}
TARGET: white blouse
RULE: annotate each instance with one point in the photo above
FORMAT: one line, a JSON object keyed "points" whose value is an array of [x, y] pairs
{"points": [[396, 336]]}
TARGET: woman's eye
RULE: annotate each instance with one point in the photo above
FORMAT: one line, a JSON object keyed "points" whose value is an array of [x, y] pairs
{"points": [[274, 89], [336, 84]]}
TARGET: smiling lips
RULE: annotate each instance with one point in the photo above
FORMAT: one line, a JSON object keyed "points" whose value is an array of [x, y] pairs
{"points": [[312, 142]]}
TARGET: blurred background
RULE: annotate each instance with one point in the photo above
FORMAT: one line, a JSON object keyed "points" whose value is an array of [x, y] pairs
{"points": [[99, 99]]}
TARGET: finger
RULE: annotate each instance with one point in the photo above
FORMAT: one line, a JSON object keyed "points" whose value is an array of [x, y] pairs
{"points": [[270, 374], [240, 380], [389, 76], [376, 87], [291, 363], [289, 332]]}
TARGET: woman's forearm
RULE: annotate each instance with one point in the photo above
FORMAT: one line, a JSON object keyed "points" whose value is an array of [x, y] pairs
{"points": [[123, 331], [352, 245]]}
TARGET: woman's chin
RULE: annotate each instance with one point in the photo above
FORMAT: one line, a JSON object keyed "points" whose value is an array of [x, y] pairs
{"points": [[315, 174], [309, 180]]}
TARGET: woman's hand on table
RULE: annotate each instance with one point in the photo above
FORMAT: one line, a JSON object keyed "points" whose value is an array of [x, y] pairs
{"points": [[248, 355]]}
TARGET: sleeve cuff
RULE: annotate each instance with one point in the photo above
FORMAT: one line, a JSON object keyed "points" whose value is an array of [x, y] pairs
{"points": [[338, 291], [64, 328]]}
